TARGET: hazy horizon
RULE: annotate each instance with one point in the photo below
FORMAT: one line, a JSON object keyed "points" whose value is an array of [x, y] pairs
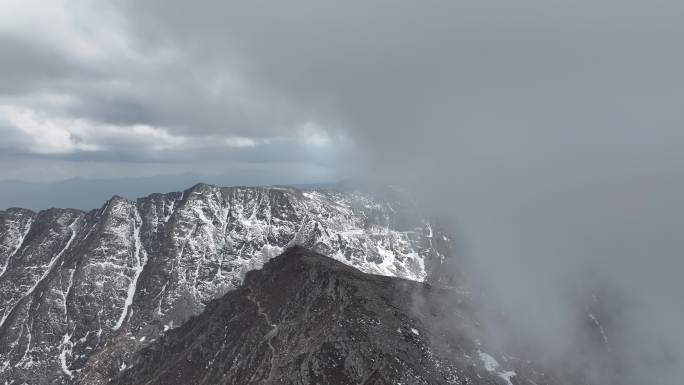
{"points": [[86, 193]]}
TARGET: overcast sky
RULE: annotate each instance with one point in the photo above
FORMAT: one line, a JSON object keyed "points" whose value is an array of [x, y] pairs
{"points": [[130, 88], [113, 89], [551, 131]]}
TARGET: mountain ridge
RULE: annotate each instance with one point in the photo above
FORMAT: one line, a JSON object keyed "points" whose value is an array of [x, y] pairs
{"points": [[74, 282], [305, 318]]}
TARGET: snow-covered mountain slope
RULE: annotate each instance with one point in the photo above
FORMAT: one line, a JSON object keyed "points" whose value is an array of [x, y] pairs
{"points": [[80, 292]]}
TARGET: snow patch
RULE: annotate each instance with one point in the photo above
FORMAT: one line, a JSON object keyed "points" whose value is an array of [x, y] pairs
{"points": [[168, 326], [603, 332], [491, 365], [66, 348], [19, 243], [507, 375], [46, 272], [140, 261]]}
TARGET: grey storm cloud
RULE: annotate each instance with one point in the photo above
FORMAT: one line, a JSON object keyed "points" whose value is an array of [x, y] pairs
{"points": [[80, 83], [550, 133]]}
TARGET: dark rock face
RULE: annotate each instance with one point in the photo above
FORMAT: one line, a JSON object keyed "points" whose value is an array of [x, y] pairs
{"points": [[308, 319], [81, 292]]}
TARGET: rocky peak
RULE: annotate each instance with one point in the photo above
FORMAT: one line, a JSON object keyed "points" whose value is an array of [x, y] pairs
{"points": [[308, 319]]}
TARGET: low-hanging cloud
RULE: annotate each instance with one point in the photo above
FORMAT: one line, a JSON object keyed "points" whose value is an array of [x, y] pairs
{"points": [[550, 132]]}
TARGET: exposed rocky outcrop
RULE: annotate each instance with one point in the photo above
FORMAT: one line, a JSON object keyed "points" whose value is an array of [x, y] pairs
{"points": [[308, 319]]}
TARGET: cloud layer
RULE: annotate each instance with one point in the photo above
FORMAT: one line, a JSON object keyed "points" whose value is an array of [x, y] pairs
{"points": [[81, 82]]}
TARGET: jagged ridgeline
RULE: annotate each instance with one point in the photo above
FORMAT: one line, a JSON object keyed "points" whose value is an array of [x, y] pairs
{"points": [[77, 287], [308, 319]]}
